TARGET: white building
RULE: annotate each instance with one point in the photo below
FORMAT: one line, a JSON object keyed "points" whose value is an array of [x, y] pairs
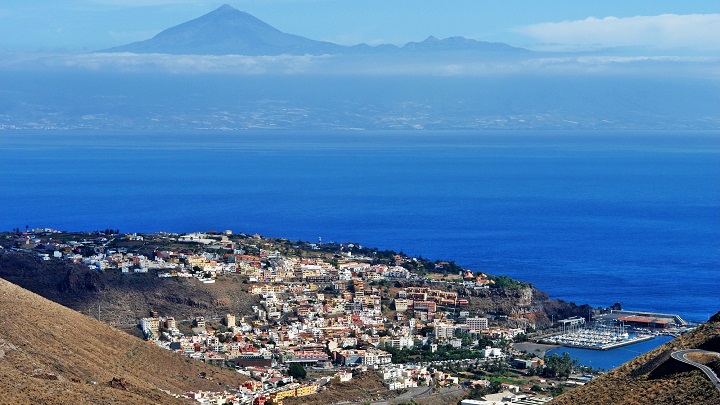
{"points": [[492, 352], [398, 342], [150, 325], [477, 324], [444, 331]]}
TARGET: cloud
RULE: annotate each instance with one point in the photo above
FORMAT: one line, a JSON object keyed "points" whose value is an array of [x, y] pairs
{"points": [[599, 65], [663, 32], [458, 65], [177, 64]]}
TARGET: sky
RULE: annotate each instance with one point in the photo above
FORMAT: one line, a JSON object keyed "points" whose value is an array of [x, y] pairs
{"points": [[659, 27]]}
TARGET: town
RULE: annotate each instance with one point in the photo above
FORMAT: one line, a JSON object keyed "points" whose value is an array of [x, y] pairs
{"points": [[322, 313]]}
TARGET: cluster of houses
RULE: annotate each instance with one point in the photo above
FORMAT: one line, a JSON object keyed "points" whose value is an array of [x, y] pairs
{"points": [[399, 376], [249, 393], [328, 315], [338, 331]]}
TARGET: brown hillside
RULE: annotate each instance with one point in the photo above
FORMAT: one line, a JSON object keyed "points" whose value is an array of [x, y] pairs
{"points": [[124, 298], [654, 377], [364, 387], [52, 354]]}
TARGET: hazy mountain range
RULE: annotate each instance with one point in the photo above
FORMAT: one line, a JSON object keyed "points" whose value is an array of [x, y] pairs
{"points": [[227, 70], [228, 31]]}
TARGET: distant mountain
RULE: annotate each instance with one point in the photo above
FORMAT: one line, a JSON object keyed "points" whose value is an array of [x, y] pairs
{"points": [[228, 31], [460, 44]]}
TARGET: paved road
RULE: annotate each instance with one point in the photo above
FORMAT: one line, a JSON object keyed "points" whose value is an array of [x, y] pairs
{"points": [[680, 356]]}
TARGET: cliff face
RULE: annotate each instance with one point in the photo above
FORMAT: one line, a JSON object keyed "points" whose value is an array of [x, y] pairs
{"points": [[122, 299], [526, 306]]}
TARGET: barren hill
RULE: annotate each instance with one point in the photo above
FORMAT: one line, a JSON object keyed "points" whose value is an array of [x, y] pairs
{"points": [[123, 299], [657, 378], [52, 354]]}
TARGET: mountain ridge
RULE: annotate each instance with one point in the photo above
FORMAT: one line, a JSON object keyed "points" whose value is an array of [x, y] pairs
{"points": [[227, 30]]}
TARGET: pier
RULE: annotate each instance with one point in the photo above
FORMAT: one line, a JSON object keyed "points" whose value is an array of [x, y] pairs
{"points": [[647, 320]]}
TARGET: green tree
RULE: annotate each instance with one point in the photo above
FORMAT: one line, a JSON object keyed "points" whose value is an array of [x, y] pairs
{"points": [[559, 366], [297, 370], [508, 283]]}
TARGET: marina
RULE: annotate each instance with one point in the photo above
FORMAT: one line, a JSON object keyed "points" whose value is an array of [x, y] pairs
{"points": [[596, 338], [611, 358], [592, 339], [615, 329]]}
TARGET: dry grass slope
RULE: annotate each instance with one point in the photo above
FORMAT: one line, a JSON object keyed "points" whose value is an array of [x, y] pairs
{"points": [[653, 378], [365, 387], [51, 354]]}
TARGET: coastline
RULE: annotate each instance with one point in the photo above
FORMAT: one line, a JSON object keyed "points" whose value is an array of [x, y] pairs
{"points": [[520, 236], [539, 349]]}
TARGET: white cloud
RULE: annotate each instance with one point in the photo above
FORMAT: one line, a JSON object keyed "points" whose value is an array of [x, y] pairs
{"points": [[699, 32], [179, 64], [670, 66]]}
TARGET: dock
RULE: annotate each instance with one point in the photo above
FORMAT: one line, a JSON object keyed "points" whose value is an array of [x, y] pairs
{"points": [[613, 345], [647, 320]]}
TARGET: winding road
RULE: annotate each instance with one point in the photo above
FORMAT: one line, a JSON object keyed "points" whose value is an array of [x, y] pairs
{"points": [[680, 356]]}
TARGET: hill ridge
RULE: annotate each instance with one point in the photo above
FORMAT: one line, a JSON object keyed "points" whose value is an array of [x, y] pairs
{"points": [[51, 353]]}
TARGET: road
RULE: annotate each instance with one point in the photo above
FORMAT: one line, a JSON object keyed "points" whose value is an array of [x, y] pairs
{"points": [[680, 356]]}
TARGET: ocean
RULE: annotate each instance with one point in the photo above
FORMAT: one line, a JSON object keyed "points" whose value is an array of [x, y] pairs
{"points": [[586, 216]]}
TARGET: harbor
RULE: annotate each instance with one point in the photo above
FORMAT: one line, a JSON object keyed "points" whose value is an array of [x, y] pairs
{"points": [[614, 329], [596, 339], [612, 358]]}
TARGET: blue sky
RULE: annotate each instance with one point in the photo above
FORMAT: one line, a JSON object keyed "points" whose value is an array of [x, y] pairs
{"points": [[659, 26]]}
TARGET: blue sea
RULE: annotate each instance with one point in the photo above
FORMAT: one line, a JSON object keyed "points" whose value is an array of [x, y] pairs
{"points": [[589, 217]]}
